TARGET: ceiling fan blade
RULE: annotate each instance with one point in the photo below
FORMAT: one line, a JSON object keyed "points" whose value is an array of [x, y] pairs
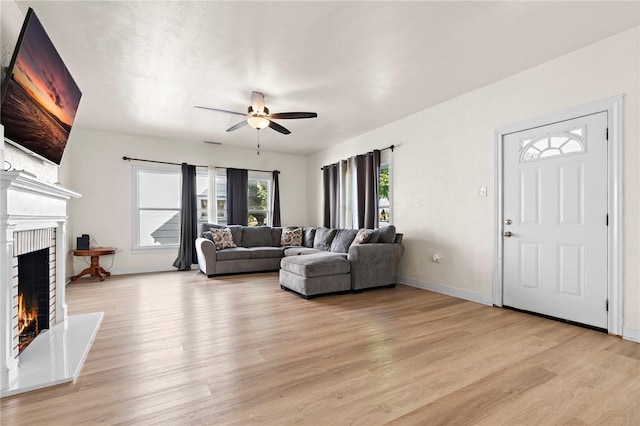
{"points": [[278, 128], [237, 126], [257, 102], [292, 115], [223, 110]]}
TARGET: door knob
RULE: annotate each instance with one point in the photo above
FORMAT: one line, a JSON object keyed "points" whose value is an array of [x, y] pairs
{"points": [[507, 234]]}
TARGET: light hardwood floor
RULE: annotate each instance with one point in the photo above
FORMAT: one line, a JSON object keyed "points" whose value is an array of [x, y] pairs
{"points": [[178, 348]]}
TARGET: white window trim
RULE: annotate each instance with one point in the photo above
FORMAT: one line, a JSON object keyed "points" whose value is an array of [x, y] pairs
{"points": [[387, 159]]}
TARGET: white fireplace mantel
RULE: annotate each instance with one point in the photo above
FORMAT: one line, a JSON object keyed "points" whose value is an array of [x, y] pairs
{"points": [[28, 202], [54, 356]]}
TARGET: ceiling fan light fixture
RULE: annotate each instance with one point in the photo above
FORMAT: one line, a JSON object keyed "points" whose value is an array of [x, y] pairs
{"points": [[258, 122]]}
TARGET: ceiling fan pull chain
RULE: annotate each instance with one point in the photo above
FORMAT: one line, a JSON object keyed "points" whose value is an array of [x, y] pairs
{"points": [[258, 151]]}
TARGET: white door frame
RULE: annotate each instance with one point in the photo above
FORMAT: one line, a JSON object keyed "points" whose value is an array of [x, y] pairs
{"points": [[614, 107]]}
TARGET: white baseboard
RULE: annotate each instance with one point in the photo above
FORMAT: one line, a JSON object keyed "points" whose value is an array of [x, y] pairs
{"points": [[144, 269], [138, 270], [630, 333], [449, 291]]}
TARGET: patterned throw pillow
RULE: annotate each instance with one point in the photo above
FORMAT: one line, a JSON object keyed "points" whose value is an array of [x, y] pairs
{"points": [[362, 236], [291, 237], [222, 238]]}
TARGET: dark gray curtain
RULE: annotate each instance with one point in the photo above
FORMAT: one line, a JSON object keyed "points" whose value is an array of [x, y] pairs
{"points": [[188, 219], [275, 208], [330, 180], [367, 181], [237, 187]]}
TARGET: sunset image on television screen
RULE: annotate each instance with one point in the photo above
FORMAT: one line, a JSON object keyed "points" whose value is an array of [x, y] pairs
{"points": [[41, 100]]}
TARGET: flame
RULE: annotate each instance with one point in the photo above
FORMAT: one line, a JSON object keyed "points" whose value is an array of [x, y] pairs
{"points": [[25, 319]]}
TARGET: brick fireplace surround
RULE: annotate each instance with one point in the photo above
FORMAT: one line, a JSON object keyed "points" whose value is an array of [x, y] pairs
{"points": [[33, 216]]}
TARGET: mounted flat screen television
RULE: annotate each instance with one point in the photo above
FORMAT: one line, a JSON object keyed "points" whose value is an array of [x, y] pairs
{"points": [[39, 96]]}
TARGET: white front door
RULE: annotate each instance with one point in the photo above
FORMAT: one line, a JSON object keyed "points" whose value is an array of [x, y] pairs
{"points": [[555, 220]]}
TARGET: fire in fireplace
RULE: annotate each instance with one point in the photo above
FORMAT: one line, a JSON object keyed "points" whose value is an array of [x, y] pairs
{"points": [[33, 295], [27, 323]]}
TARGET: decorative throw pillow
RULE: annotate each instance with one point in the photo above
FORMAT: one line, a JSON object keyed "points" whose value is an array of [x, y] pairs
{"points": [[291, 237], [362, 236], [222, 238]]}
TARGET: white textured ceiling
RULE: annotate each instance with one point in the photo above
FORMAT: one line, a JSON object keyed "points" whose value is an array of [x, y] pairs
{"points": [[142, 66]]}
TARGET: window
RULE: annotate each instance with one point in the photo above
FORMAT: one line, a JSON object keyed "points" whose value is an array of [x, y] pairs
{"points": [[258, 197], [157, 206], [258, 201], [384, 189], [551, 145]]}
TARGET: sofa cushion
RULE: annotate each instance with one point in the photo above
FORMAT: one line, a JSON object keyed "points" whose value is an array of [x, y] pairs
{"points": [[257, 236], [205, 227], [266, 252], [222, 238], [323, 238], [291, 237], [363, 236], [276, 234], [316, 265], [295, 251], [342, 240], [308, 235], [237, 253], [387, 234]]}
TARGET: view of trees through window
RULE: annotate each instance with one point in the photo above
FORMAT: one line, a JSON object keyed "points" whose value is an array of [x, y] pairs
{"points": [[258, 196], [258, 202]]}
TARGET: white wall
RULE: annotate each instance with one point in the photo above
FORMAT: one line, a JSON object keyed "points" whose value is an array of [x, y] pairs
{"points": [[446, 153], [97, 171]]}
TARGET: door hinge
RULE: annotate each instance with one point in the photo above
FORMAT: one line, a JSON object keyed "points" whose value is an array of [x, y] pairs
{"points": [[607, 133], [607, 219], [607, 305]]}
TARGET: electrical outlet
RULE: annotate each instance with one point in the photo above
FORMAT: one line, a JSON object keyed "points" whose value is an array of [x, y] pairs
{"points": [[482, 192]]}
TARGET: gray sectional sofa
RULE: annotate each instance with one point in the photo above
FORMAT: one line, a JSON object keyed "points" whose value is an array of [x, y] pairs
{"points": [[370, 264]]}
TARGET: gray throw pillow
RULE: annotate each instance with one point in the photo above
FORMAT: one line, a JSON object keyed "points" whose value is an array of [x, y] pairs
{"points": [[342, 240], [323, 238], [308, 234], [205, 227], [387, 234]]}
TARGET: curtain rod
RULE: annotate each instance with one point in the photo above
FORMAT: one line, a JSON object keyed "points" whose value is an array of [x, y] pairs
{"points": [[179, 164], [391, 147]]}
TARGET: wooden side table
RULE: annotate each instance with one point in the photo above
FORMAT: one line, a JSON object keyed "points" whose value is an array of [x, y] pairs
{"points": [[95, 269]]}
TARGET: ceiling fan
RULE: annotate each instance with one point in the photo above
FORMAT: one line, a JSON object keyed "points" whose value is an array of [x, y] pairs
{"points": [[258, 115]]}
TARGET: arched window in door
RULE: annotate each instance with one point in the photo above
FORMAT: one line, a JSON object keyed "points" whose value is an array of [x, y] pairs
{"points": [[553, 144]]}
